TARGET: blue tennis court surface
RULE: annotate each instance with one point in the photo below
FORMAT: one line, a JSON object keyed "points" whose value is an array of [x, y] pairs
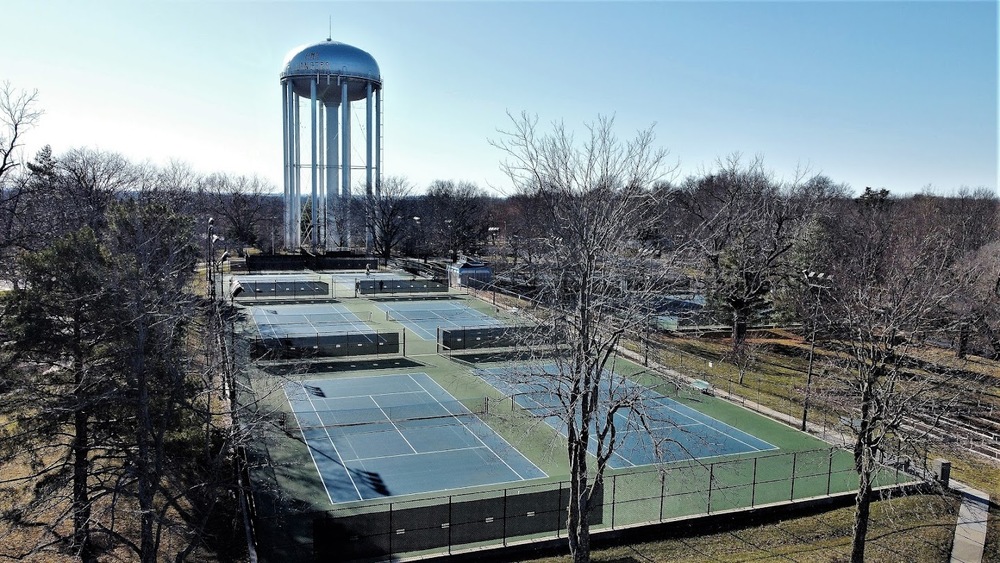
{"points": [[424, 318], [379, 436], [671, 431]]}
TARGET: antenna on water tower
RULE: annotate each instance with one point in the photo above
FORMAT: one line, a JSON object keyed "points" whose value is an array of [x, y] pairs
{"points": [[329, 36]]}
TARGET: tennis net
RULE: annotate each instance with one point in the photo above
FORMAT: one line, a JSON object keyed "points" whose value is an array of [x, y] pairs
{"points": [[427, 315], [340, 318], [382, 419]]}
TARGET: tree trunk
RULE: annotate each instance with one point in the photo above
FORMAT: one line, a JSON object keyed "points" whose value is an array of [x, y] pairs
{"points": [[81, 453], [987, 331], [963, 340], [144, 433], [81, 494], [739, 330], [577, 524], [865, 466], [862, 511]]}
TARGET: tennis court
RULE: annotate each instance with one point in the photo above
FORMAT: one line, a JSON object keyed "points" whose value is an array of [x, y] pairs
{"points": [[424, 317], [306, 321], [670, 432], [388, 435]]}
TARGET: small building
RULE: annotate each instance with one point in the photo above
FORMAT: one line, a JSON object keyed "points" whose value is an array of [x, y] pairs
{"points": [[470, 272]]}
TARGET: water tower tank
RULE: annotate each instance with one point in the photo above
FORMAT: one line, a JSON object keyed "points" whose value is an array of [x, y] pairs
{"points": [[330, 75], [330, 61]]}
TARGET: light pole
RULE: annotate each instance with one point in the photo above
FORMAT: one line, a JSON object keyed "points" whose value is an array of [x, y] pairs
{"points": [[816, 282], [417, 240], [452, 251], [210, 259], [208, 249]]}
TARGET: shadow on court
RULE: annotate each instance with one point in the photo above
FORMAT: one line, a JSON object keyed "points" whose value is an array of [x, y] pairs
{"points": [[338, 366], [389, 299], [500, 356]]}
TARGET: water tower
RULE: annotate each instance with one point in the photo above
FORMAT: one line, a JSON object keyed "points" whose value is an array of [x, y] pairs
{"points": [[330, 75]]}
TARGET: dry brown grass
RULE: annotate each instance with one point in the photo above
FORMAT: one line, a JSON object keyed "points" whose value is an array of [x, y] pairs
{"points": [[916, 529]]}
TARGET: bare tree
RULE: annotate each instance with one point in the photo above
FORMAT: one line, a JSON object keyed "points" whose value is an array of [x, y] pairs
{"points": [[18, 114], [456, 221], [154, 252], [890, 299], [390, 216], [241, 204], [595, 195], [746, 226]]}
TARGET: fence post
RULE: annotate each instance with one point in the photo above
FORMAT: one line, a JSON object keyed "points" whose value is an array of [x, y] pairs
{"points": [[791, 493], [663, 492], [829, 473], [449, 524], [558, 506], [711, 478], [614, 491], [753, 485], [505, 517], [390, 531]]}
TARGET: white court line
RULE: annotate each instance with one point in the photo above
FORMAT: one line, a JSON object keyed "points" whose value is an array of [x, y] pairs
{"points": [[754, 448], [696, 422], [670, 427], [502, 460], [590, 437], [313, 457]]}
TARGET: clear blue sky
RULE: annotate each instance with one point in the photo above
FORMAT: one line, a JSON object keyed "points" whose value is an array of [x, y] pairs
{"points": [[885, 94]]}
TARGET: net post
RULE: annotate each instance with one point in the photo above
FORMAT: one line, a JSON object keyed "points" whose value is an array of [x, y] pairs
{"points": [[753, 484]]}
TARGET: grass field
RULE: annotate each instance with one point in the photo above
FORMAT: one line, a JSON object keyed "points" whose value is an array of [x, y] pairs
{"points": [[917, 529]]}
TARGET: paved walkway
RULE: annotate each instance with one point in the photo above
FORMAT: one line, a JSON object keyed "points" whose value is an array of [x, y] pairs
{"points": [[970, 533]]}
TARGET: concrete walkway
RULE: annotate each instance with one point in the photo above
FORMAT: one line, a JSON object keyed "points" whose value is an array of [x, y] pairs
{"points": [[970, 533]]}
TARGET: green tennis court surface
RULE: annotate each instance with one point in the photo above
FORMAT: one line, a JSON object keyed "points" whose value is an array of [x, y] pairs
{"points": [[651, 429], [373, 437], [424, 317], [300, 321]]}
